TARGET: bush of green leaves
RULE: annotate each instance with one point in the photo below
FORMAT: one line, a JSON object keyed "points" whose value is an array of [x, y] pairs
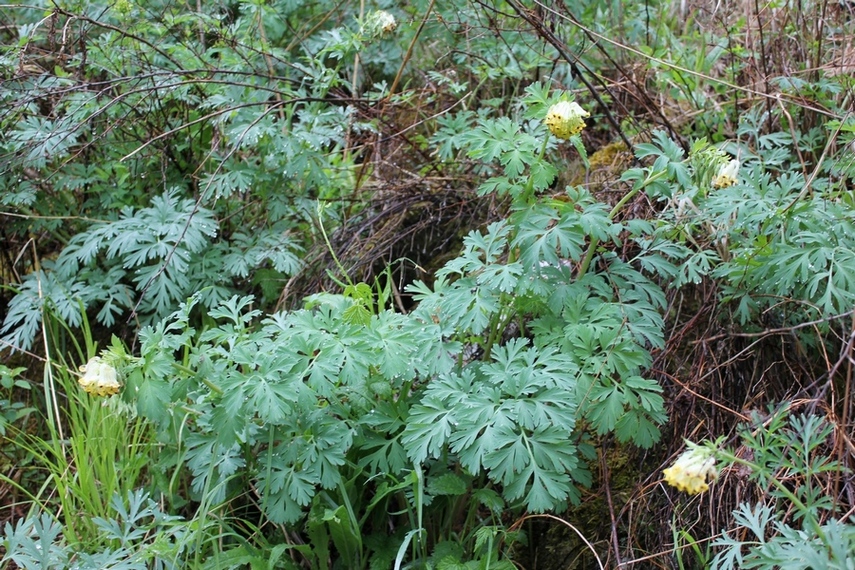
{"points": [[177, 151], [344, 411], [775, 235]]}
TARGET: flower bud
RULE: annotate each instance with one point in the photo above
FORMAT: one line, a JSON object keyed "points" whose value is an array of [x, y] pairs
{"points": [[565, 119]]}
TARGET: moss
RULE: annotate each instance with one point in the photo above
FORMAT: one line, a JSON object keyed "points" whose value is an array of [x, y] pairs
{"points": [[606, 166], [556, 546]]}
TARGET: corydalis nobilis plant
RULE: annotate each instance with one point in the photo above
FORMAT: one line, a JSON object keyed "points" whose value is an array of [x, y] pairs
{"points": [[311, 399]]}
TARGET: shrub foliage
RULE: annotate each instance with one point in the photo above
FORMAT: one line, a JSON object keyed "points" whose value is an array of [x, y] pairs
{"points": [[369, 309]]}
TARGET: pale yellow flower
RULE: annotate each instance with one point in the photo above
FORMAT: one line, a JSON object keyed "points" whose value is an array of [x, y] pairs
{"points": [[727, 175], [692, 471], [99, 378], [565, 119]]}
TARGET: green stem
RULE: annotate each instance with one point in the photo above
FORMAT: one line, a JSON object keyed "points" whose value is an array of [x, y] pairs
{"points": [[190, 411], [498, 325], [189, 371], [782, 489], [338, 264], [527, 195], [589, 254]]}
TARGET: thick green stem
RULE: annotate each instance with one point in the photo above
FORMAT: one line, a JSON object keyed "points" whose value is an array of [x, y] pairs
{"points": [[499, 324], [589, 255]]}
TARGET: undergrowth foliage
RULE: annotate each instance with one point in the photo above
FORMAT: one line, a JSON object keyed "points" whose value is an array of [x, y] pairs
{"points": [[149, 222], [176, 180], [789, 460], [779, 242], [314, 405]]}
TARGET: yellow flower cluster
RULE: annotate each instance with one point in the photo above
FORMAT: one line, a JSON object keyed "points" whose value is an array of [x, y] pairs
{"points": [[727, 175], [565, 119], [692, 471], [99, 378]]}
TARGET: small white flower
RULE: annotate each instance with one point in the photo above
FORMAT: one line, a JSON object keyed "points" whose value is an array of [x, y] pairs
{"points": [[386, 21], [565, 119], [99, 378], [727, 175], [692, 471], [379, 23]]}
